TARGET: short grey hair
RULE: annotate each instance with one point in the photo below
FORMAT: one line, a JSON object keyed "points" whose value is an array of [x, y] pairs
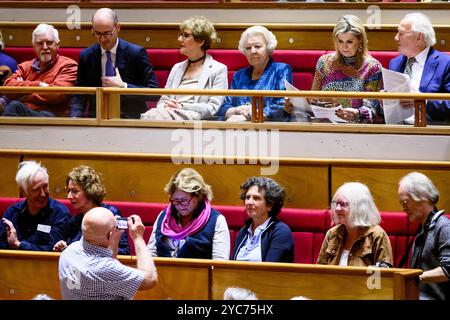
{"points": [[107, 11], [269, 37], [362, 209], [43, 28], [420, 187], [421, 23], [27, 172]]}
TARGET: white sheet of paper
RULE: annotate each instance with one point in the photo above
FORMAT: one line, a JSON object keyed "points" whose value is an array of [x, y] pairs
{"points": [[300, 104], [395, 82], [327, 113]]}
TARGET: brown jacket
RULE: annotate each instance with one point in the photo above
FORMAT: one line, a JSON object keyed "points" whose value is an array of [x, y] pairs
{"points": [[372, 246]]}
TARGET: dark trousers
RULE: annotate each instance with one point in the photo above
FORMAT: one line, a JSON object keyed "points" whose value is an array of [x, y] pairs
{"points": [[18, 109]]}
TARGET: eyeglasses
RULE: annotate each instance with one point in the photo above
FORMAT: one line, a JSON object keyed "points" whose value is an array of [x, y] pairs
{"points": [[342, 204], [184, 35], [106, 35], [183, 203]]}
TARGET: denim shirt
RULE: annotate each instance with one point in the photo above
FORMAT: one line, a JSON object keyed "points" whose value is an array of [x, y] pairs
{"points": [[39, 232]]}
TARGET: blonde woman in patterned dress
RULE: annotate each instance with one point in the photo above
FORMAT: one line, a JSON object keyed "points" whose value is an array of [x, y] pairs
{"points": [[350, 68]]}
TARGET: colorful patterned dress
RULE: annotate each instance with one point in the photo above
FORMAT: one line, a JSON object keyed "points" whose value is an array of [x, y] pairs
{"points": [[330, 76]]}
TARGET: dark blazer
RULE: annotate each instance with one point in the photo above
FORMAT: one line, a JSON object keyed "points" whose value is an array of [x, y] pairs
{"points": [[435, 79], [134, 68], [277, 244]]}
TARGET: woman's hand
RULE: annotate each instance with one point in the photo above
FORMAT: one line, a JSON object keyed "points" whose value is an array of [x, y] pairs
{"points": [[324, 102], [288, 106], [174, 104], [349, 114]]}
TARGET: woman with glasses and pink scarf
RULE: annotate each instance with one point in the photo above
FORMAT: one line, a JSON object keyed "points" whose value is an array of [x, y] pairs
{"points": [[189, 227]]}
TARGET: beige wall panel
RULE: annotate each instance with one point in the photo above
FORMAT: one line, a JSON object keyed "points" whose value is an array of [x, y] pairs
{"points": [[130, 180], [8, 186], [22, 279], [383, 183], [178, 283], [276, 285]]}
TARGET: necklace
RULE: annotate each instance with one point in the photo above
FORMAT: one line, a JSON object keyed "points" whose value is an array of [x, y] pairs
{"points": [[197, 60]]}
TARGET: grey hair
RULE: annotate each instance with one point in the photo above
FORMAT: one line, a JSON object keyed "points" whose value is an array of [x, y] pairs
{"points": [[362, 209], [43, 28], [235, 293], [420, 187], [269, 37], [109, 12], [27, 172], [421, 23]]}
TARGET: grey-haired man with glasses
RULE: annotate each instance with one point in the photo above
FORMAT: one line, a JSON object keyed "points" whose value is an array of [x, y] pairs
{"points": [[112, 62]]}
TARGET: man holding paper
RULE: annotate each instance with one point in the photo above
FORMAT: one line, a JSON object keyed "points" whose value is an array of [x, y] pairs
{"points": [[428, 69]]}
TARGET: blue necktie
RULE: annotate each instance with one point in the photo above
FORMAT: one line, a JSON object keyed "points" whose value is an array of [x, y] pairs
{"points": [[109, 68]]}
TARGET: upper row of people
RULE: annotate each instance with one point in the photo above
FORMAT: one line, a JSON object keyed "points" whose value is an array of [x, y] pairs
{"points": [[189, 227], [114, 62]]}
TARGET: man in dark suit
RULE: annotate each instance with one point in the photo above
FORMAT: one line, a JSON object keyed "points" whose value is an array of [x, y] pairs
{"points": [[428, 68], [112, 62]]}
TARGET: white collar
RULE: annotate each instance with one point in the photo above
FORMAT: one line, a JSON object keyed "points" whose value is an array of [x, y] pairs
{"points": [[422, 57], [113, 49]]}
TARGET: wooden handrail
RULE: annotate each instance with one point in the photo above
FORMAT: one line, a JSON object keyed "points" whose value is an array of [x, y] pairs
{"points": [[111, 108], [155, 157]]}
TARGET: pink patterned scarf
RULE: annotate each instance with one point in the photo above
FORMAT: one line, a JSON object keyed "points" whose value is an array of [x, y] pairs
{"points": [[172, 229]]}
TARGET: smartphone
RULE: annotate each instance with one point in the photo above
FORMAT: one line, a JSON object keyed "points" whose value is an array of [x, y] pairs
{"points": [[122, 223]]}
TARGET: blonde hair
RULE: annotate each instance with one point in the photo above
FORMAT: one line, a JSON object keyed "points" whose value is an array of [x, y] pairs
{"points": [[362, 209], [202, 29], [190, 181], [90, 181], [352, 24]]}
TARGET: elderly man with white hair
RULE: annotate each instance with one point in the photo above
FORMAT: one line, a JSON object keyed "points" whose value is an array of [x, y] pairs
{"points": [[418, 197], [428, 69], [37, 222], [48, 69]]}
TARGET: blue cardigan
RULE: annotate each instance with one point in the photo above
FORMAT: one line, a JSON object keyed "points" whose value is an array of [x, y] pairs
{"points": [[272, 79], [277, 244]]}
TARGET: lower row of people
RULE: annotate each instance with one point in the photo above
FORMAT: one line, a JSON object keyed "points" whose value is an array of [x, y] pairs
{"points": [[189, 227]]}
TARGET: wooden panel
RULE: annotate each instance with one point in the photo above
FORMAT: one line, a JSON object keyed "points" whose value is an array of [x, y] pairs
{"points": [[383, 183], [8, 187], [178, 283], [25, 277], [284, 281], [134, 180], [164, 35], [25, 274]]}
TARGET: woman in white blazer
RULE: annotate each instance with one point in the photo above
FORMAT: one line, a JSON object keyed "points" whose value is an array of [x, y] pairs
{"points": [[198, 71]]}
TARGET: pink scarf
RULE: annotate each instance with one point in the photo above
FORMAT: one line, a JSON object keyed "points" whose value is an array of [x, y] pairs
{"points": [[172, 229]]}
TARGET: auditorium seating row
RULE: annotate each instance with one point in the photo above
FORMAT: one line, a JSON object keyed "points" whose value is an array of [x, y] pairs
{"points": [[308, 226], [303, 62]]}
